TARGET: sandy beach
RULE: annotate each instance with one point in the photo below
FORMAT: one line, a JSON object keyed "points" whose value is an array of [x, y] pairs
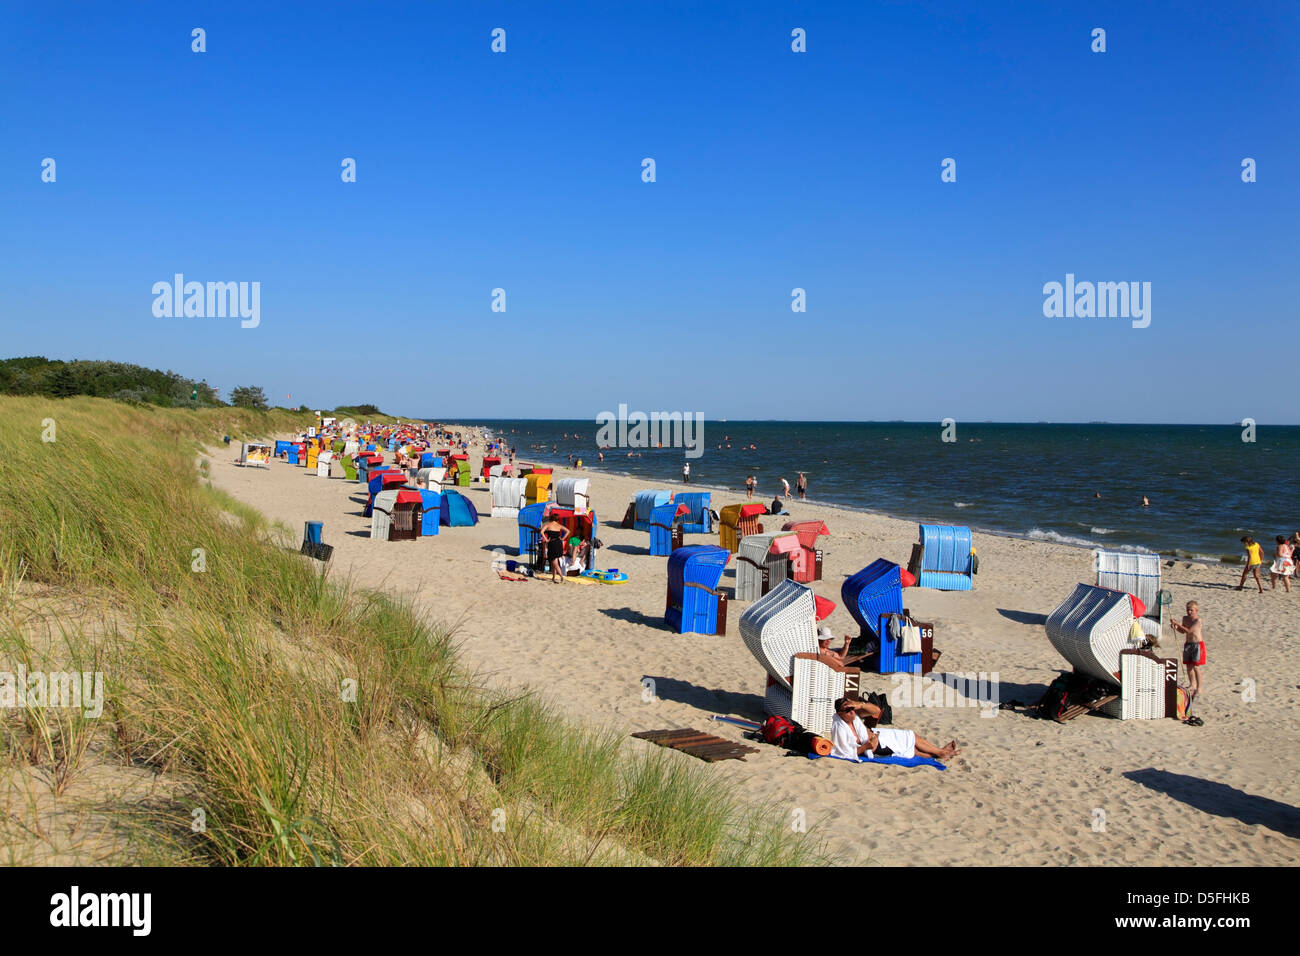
{"points": [[1093, 791]]}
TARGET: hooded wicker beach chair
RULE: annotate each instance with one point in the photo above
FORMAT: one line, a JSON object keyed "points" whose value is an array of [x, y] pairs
{"points": [[538, 487], [431, 511], [737, 521], [1137, 574], [530, 520], [572, 493], [430, 478], [808, 532], [489, 463], [698, 518], [665, 534], [763, 561], [508, 496], [324, 464], [381, 516], [645, 502], [870, 596], [695, 605], [942, 559], [780, 625], [349, 467], [1092, 629]]}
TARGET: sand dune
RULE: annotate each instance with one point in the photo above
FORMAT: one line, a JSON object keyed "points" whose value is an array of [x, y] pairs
{"points": [[1024, 791]]}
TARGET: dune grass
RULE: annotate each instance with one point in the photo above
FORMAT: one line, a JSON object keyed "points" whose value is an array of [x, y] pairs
{"points": [[285, 717]]}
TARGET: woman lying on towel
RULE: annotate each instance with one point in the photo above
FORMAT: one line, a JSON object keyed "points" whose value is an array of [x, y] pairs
{"points": [[851, 739]]}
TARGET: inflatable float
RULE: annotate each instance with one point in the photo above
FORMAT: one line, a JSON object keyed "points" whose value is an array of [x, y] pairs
{"points": [[612, 576]]}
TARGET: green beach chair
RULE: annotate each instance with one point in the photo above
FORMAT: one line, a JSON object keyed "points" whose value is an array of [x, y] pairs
{"points": [[349, 468]]}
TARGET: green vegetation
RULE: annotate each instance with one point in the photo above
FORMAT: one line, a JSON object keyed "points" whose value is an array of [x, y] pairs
{"points": [[229, 734], [53, 378], [250, 396]]}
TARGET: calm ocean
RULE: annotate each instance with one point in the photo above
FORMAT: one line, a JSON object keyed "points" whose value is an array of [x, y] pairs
{"points": [[1207, 487]]}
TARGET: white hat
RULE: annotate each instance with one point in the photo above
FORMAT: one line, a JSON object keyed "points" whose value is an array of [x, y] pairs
{"points": [[824, 634]]}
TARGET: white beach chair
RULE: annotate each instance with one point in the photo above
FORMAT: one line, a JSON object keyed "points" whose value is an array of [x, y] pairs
{"points": [[381, 519], [430, 479], [778, 626], [572, 493], [508, 496], [1137, 574], [758, 568], [1091, 629], [323, 462]]}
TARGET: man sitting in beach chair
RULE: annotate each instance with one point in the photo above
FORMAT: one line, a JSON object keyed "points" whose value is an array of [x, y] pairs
{"points": [[851, 739], [835, 658]]}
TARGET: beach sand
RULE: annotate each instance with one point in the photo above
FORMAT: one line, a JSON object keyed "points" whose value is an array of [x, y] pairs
{"points": [[1093, 791]]}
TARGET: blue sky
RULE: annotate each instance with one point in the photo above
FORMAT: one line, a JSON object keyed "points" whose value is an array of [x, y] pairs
{"points": [[775, 170]]}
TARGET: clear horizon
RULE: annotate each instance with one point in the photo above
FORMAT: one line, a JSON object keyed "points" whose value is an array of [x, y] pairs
{"points": [[775, 171]]}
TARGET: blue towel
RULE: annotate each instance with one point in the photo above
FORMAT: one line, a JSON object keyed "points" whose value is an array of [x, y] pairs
{"points": [[900, 761]]}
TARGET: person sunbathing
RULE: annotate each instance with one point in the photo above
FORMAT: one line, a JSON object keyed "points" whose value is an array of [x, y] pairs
{"points": [[851, 739]]}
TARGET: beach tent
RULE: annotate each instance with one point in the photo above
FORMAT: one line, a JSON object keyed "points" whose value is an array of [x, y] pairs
{"points": [[763, 561], [431, 511], [664, 534], [572, 493], [1137, 574], [457, 511], [695, 604], [539, 486], [646, 502], [808, 532], [737, 521], [875, 592], [508, 496], [698, 518], [324, 461], [942, 559], [255, 455], [530, 527], [1092, 629]]}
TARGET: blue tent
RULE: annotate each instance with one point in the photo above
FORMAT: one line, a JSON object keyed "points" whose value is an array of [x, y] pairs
{"points": [[457, 511]]}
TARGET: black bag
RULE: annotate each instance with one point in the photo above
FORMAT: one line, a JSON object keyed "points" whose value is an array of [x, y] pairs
{"points": [[886, 711], [1057, 698]]}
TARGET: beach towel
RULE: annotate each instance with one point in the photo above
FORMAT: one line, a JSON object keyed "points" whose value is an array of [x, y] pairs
{"points": [[897, 761]]}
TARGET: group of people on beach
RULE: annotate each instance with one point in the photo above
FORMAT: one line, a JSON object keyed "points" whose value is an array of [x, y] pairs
{"points": [[1282, 568]]}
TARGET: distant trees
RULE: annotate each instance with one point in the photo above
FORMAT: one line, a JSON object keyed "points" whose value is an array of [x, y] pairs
{"points": [[248, 396], [37, 375]]}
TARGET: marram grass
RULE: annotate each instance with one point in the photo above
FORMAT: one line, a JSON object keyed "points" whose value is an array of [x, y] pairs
{"points": [[279, 716]]}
